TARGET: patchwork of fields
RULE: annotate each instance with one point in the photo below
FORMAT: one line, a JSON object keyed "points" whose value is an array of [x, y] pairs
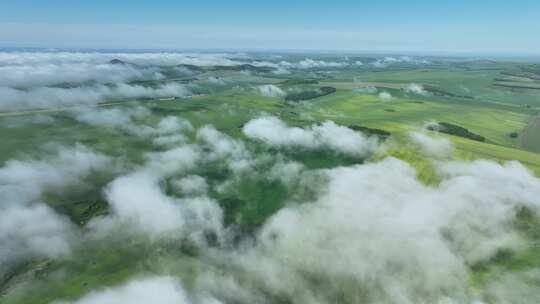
{"points": [[249, 156]]}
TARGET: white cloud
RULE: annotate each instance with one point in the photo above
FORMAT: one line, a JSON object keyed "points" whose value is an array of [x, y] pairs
{"points": [[33, 230], [24, 180], [174, 161], [46, 74], [286, 172], [158, 290], [45, 97], [276, 133], [173, 124], [433, 147], [309, 63], [389, 60], [374, 225], [169, 140], [115, 117], [328, 135], [385, 96], [144, 59], [28, 227], [377, 226], [270, 90], [204, 217], [166, 133], [223, 147], [416, 89], [404, 59], [432, 126], [375, 233], [226, 289], [191, 185], [216, 80], [138, 198], [366, 90]]}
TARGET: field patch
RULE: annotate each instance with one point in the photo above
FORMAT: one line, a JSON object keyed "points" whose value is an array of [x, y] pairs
{"points": [[530, 138]]}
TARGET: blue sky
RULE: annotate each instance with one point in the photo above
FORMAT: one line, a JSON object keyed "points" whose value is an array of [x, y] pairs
{"points": [[480, 26]]}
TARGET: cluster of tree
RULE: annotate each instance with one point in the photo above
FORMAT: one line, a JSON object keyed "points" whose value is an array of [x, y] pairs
{"points": [[528, 71], [438, 92], [533, 69], [299, 81], [243, 67], [456, 130], [310, 94], [371, 131]]}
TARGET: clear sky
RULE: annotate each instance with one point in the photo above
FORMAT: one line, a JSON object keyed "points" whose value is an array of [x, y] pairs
{"points": [[484, 26]]}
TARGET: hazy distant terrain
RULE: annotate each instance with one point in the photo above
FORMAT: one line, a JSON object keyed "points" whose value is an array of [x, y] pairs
{"points": [[202, 177]]}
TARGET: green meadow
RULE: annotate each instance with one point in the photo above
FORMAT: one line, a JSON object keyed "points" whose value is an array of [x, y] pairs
{"points": [[462, 94]]}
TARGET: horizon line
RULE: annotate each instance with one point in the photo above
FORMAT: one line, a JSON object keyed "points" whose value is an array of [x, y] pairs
{"points": [[434, 53]]}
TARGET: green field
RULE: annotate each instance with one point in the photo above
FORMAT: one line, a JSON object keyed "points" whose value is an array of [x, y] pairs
{"points": [[249, 199]]}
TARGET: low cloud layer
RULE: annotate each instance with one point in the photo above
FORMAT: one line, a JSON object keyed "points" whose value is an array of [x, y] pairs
{"points": [[139, 198], [366, 90], [328, 135], [143, 59], [270, 90], [378, 234], [46, 74], [35, 80], [432, 147], [168, 132], [385, 96], [416, 89], [159, 290], [373, 233], [29, 227], [389, 60], [367, 233], [115, 117], [311, 64], [46, 97]]}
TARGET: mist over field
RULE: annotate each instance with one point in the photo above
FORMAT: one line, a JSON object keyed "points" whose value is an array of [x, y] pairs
{"points": [[170, 177]]}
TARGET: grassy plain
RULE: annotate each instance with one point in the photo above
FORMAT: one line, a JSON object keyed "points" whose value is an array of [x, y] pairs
{"points": [[493, 112]]}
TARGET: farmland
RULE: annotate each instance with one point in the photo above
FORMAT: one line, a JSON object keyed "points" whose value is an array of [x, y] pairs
{"points": [[247, 159]]}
